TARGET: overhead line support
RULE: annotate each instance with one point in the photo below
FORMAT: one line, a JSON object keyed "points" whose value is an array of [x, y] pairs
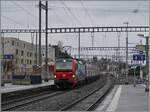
{"points": [[81, 29]]}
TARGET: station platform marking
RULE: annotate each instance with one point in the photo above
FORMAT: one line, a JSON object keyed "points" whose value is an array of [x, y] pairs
{"points": [[143, 85], [104, 104], [113, 105]]}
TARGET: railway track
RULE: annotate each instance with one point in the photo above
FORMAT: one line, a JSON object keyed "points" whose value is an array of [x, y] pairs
{"points": [[90, 101], [7, 102], [18, 103], [59, 100], [5, 97]]}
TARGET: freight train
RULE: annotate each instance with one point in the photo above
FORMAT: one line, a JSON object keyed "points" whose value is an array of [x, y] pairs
{"points": [[70, 72]]}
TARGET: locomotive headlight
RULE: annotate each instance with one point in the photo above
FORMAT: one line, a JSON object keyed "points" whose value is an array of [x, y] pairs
{"points": [[64, 75], [73, 76], [55, 76]]}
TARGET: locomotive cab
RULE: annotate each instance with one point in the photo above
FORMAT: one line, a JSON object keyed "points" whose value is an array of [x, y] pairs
{"points": [[65, 72]]}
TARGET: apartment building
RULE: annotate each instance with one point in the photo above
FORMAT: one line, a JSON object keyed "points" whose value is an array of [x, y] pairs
{"points": [[23, 54]]}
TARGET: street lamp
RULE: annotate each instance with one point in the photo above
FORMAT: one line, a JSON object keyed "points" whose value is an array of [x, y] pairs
{"points": [[127, 23], [147, 60]]}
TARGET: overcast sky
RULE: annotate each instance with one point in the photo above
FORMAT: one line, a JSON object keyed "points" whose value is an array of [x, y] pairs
{"points": [[24, 14]]}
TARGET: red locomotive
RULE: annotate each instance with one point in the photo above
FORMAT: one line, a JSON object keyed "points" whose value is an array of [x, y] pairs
{"points": [[69, 72], [65, 72]]}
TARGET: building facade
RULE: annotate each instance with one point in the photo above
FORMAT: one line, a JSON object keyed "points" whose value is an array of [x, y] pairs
{"points": [[50, 53], [53, 52], [23, 56]]}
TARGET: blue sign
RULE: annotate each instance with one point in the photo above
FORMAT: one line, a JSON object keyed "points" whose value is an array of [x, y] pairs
{"points": [[138, 57], [8, 56]]}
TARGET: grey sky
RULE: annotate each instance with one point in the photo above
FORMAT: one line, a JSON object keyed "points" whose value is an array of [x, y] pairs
{"points": [[24, 14]]}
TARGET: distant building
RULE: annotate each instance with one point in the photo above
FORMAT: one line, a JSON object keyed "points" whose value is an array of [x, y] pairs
{"points": [[50, 53], [23, 54], [53, 52]]}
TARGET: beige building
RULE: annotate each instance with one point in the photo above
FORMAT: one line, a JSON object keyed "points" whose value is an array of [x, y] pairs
{"points": [[23, 55]]}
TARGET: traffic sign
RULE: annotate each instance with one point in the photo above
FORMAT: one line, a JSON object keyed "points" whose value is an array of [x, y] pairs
{"points": [[138, 57]]}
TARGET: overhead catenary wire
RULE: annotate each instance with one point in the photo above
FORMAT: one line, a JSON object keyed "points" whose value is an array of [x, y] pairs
{"points": [[24, 9], [58, 16], [68, 16], [12, 20], [27, 12], [87, 13], [72, 14]]}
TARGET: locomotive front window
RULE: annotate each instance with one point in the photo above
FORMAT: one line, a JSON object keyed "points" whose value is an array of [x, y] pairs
{"points": [[63, 66]]}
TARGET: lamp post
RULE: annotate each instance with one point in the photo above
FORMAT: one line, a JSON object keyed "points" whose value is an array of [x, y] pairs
{"points": [[79, 46], [127, 23], [134, 76], [147, 60]]}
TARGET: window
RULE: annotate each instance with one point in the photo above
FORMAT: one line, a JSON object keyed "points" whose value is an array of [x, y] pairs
{"points": [[13, 43], [64, 65], [30, 62], [17, 52], [17, 43], [22, 53], [27, 53], [21, 61], [30, 54]]}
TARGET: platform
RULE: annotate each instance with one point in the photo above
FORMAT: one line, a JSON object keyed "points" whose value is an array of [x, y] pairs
{"points": [[126, 98], [12, 88]]}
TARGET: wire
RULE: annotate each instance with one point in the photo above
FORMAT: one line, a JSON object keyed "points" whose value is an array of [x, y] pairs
{"points": [[16, 4], [67, 13], [12, 20], [69, 10], [28, 12], [91, 21], [57, 16]]}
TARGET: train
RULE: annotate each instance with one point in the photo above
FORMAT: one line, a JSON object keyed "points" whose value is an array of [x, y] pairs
{"points": [[70, 72]]}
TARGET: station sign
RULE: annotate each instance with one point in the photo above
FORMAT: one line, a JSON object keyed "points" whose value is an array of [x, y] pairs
{"points": [[8, 56], [138, 57]]}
